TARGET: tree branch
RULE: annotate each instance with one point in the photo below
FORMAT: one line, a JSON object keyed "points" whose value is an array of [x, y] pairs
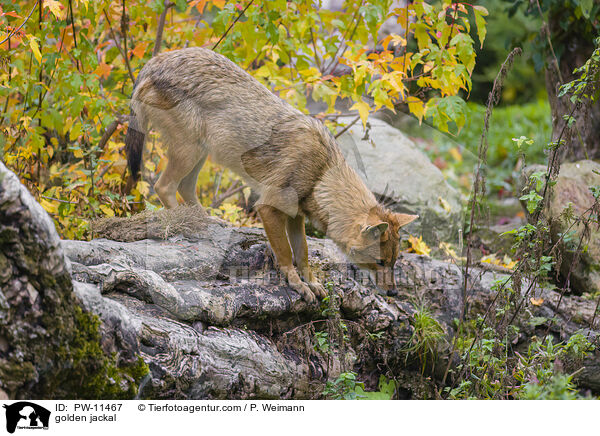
{"points": [[10, 35], [233, 189], [119, 46], [161, 26], [232, 24]]}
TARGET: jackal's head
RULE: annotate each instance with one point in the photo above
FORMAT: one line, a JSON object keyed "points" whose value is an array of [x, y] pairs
{"points": [[376, 244]]}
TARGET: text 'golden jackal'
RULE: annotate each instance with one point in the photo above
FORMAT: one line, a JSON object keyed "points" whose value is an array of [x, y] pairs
{"points": [[202, 103]]}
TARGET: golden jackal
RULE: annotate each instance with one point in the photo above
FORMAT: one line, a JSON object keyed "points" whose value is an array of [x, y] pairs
{"points": [[202, 103]]}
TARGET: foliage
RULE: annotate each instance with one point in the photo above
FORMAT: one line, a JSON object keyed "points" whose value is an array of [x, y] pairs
{"points": [[343, 387], [490, 366], [505, 31], [456, 155], [69, 68], [346, 387]]}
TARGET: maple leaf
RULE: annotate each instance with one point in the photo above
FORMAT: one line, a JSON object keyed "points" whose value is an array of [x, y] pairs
{"points": [[103, 70], [363, 110], [140, 49], [55, 7]]}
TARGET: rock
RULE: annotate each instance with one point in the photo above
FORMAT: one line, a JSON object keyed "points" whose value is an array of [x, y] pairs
{"points": [[573, 188], [404, 178], [49, 347]]}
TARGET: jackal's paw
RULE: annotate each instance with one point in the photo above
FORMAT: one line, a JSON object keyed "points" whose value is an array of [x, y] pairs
{"points": [[303, 289], [318, 289]]}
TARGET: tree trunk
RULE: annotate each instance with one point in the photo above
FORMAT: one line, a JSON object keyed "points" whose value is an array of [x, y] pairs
{"points": [[584, 140]]}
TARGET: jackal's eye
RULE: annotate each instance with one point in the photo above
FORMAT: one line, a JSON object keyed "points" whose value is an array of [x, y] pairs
{"points": [[380, 262]]}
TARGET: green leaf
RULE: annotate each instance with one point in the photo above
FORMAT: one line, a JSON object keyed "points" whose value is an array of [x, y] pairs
{"points": [[480, 12], [586, 7], [422, 36], [180, 5]]}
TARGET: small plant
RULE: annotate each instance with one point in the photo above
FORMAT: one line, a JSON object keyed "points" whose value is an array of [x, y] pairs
{"points": [[322, 342], [427, 334], [343, 387]]}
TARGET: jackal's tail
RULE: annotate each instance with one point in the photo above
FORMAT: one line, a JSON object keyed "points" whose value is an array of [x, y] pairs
{"points": [[134, 147]]}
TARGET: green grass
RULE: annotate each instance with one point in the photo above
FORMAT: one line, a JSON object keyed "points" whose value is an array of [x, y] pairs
{"points": [[532, 120]]}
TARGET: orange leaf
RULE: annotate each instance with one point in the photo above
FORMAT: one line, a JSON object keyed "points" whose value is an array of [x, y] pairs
{"points": [[103, 70], [199, 4], [140, 49], [536, 301]]}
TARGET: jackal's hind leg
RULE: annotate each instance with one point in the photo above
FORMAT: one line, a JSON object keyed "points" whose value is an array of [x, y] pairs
{"points": [[274, 222], [180, 163], [297, 236], [187, 186]]}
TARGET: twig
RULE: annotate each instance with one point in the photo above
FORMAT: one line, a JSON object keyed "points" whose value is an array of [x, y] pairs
{"points": [[59, 200], [317, 60], [345, 129], [161, 26], [119, 46], [124, 33], [74, 34], [234, 189], [335, 61], [10, 35], [232, 24], [112, 127], [492, 100]]}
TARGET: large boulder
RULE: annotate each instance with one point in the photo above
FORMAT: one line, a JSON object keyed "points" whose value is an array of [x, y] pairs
{"points": [[572, 189], [399, 173]]}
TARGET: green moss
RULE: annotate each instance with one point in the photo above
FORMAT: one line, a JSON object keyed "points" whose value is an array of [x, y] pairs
{"points": [[89, 373]]}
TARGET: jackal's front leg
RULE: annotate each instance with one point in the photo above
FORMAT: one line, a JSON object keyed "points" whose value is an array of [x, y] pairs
{"points": [[297, 236], [274, 222]]}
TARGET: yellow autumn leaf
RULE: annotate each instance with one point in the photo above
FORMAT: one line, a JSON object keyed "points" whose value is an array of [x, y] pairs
{"points": [[416, 107], [48, 206], [35, 49], [143, 188], [444, 204], [455, 153], [107, 210], [418, 246], [536, 301], [506, 261], [363, 110], [150, 166], [55, 7]]}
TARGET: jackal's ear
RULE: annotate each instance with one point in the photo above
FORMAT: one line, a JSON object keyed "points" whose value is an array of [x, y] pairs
{"points": [[404, 219], [375, 231]]}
